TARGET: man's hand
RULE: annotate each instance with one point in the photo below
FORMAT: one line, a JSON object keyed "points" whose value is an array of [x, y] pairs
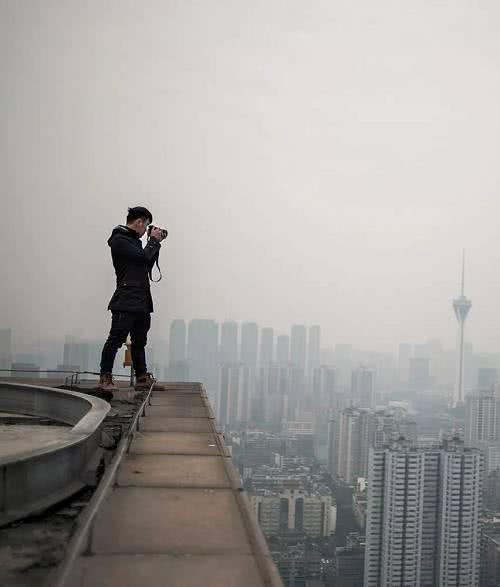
{"points": [[156, 233]]}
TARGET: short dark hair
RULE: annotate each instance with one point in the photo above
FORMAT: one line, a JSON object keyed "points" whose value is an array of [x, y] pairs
{"points": [[138, 212]]}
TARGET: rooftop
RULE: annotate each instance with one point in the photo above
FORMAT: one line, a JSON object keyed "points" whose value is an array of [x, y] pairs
{"points": [[170, 509], [174, 512]]}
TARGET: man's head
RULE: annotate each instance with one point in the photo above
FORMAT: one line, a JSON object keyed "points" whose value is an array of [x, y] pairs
{"points": [[138, 219]]}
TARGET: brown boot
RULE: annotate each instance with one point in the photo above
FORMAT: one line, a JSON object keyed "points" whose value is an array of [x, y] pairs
{"points": [[106, 383], [144, 383]]}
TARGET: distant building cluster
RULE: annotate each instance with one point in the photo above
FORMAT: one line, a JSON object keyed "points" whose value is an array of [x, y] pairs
{"points": [[363, 469], [291, 497]]}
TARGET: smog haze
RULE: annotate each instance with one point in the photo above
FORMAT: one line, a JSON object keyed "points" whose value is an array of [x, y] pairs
{"points": [[314, 162]]}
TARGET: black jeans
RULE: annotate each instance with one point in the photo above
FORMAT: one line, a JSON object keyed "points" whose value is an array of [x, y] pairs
{"points": [[138, 324]]}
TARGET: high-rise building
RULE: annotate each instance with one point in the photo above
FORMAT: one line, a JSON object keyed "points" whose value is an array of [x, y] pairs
{"points": [[249, 343], [246, 393], [298, 345], [202, 352], [272, 397], [313, 349], [233, 397], [423, 516], [439, 359], [177, 342], [5, 348], [94, 354], [229, 342], [323, 389], [178, 365], [324, 400], [227, 397], [363, 387], [280, 390], [71, 354], [178, 372], [419, 378], [344, 454], [76, 352], [294, 378], [487, 377], [461, 306], [266, 354], [353, 431], [283, 349], [343, 361], [482, 417]]}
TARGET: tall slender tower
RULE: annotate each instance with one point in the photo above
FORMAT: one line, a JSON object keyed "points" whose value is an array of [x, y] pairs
{"points": [[461, 305]]}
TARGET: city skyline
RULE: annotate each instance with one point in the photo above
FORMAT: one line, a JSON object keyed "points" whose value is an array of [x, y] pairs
{"points": [[337, 170], [431, 351], [312, 367], [161, 334]]}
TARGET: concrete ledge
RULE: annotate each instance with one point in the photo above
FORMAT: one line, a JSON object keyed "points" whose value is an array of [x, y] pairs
{"points": [[229, 570], [170, 509]]}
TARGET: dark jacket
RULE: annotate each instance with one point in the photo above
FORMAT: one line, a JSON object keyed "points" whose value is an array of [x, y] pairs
{"points": [[132, 265]]}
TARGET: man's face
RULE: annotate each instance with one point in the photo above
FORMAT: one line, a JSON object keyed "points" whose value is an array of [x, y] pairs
{"points": [[142, 226]]}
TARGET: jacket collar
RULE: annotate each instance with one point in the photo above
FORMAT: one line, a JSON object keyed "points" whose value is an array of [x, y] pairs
{"points": [[125, 231], [130, 231]]}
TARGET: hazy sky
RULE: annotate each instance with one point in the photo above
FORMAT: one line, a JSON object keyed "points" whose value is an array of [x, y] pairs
{"points": [[314, 161]]}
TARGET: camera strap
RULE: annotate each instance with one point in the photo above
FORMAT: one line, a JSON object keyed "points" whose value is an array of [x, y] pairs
{"points": [[151, 272]]}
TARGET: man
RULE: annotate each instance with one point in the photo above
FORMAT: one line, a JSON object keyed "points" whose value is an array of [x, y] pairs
{"points": [[131, 304]]}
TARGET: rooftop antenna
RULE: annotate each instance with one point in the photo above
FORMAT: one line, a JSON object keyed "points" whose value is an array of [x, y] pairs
{"points": [[463, 272], [461, 306]]}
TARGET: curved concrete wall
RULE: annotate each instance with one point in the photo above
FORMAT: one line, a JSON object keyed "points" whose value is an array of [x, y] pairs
{"points": [[34, 480]]}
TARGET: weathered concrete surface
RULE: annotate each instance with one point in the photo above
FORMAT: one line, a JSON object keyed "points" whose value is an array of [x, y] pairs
{"points": [[21, 438], [177, 400], [200, 443], [173, 521], [175, 515], [159, 424], [186, 411], [151, 470], [167, 571]]}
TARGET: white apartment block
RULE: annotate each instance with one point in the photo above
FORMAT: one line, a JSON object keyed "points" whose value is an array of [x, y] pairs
{"points": [[423, 510]]}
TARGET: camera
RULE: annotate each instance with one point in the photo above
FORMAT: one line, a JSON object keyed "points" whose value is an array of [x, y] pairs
{"points": [[164, 231]]}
